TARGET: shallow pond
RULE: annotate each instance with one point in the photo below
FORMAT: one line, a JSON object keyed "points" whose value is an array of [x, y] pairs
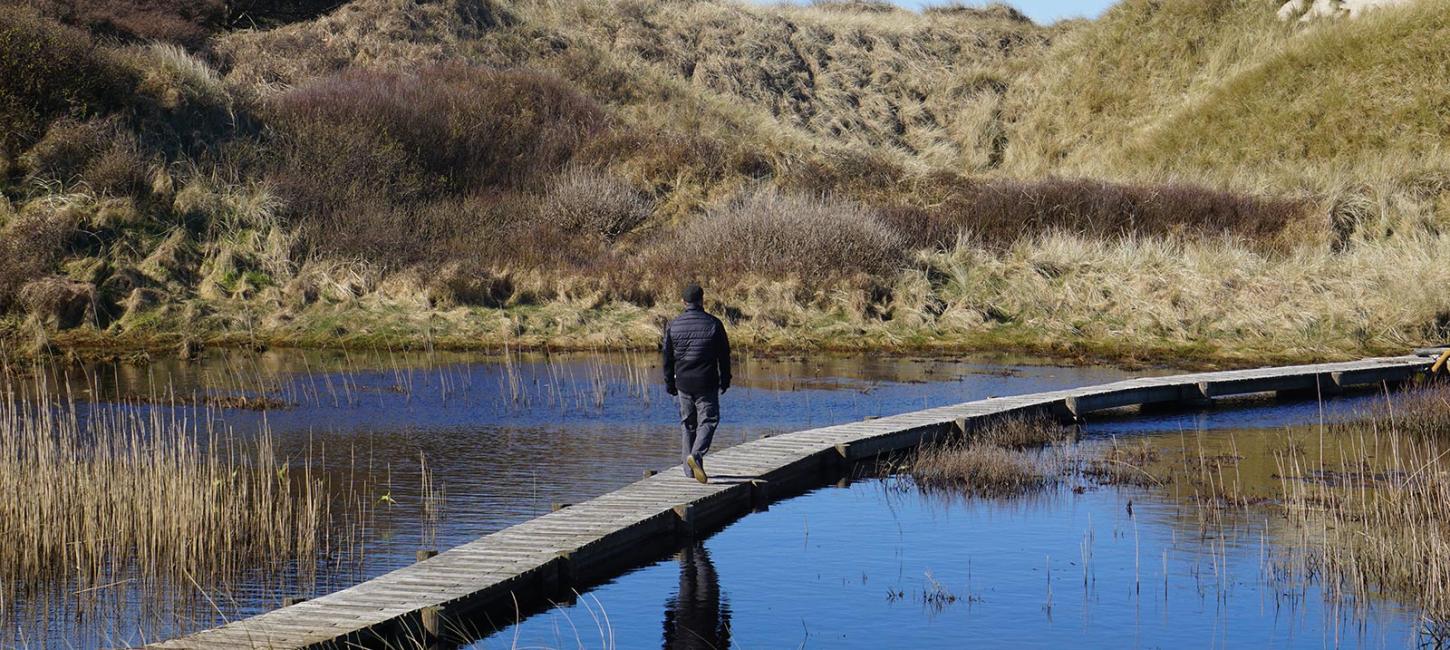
{"points": [[880, 563], [503, 437]]}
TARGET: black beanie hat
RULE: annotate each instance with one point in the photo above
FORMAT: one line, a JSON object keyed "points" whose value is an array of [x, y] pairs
{"points": [[693, 294]]}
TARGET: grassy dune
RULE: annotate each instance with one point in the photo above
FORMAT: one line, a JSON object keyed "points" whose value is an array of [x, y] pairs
{"points": [[1186, 180]]}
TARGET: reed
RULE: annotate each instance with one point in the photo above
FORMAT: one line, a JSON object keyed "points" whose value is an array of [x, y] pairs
{"points": [[1378, 520], [1003, 458], [167, 499]]}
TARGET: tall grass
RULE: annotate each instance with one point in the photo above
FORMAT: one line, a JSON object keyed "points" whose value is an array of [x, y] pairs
{"points": [[1379, 521], [101, 495], [1003, 458]]}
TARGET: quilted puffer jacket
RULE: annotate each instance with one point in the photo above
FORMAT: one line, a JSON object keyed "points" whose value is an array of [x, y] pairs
{"points": [[696, 353]]}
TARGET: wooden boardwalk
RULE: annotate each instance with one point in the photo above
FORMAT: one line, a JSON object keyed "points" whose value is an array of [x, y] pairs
{"points": [[522, 565]]}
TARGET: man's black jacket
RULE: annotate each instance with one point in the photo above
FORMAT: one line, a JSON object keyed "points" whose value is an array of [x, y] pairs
{"points": [[696, 353]]}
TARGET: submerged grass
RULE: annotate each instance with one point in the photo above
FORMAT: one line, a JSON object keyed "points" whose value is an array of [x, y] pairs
{"points": [[1366, 501]]}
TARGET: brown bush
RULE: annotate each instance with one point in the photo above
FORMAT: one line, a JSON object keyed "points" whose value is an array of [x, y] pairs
{"points": [[48, 71], [366, 150], [187, 22], [593, 203], [777, 235], [1001, 211], [95, 152], [30, 248], [176, 21]]}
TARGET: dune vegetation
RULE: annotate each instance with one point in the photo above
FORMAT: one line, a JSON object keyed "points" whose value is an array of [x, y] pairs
{"points": [[1186, 180]]}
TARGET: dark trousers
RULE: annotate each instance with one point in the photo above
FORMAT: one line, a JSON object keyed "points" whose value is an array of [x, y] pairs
{"points": [[699, 415]]}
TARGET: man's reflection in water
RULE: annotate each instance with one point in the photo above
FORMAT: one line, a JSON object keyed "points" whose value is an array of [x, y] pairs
{"points": [[696, 617]]}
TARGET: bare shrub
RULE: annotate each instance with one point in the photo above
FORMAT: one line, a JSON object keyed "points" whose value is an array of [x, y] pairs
{"points": [[48, 71], [768, 233], [1002, 211], [30, 247], [187, 22], [176, 21], [373, 150], [589, 202]]}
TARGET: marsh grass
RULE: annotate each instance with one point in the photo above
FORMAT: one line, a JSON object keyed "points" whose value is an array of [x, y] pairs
{"points": [[1363, 501], [1002, 459], [172, 498], [1378, 521], [142, 517]]}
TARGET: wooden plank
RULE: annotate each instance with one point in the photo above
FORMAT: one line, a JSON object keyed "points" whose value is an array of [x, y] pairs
{"points": [[608, 529]]}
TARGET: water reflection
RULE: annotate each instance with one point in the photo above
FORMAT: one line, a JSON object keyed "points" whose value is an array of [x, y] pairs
{"points": [[697, 617], [503, 437], [882, 564]]}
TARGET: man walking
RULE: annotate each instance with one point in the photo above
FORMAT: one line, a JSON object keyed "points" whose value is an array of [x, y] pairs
{"points": [[697, 371]]}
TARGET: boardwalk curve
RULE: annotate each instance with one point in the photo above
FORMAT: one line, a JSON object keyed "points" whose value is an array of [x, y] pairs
{"points": [[521, 565]]}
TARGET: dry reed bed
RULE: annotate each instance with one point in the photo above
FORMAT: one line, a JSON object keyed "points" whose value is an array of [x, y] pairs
{"points": [[1379, 522], [165, 499], [1002, 459]]}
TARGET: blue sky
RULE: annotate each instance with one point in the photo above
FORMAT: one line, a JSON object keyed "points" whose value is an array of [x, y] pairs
{"points": [[1042, 11]]}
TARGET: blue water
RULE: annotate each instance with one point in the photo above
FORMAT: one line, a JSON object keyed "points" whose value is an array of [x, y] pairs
{"points": [[504, 440], [881, 564]]}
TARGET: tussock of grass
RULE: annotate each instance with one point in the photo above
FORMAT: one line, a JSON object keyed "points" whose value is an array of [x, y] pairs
{"points": [[763, 231], [981, 469], [998, 460]]}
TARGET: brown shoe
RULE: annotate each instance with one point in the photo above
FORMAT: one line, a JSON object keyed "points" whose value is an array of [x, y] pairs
{"points": [[697, 469]]}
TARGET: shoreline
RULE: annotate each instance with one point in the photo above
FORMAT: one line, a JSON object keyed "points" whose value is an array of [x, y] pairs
{"points": [[92, 346]]}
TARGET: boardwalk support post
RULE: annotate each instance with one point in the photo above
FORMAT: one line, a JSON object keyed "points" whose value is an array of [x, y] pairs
{"points": [[431, 619], [685, 520]]}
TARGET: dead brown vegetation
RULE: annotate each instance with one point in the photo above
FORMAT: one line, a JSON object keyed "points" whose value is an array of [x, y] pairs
{"points": [[1000, 211], [48, 71], [766, 232], [372, 160]]}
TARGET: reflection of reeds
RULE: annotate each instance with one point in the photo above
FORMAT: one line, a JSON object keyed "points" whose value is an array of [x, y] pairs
{"points": [[432, 498]]}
